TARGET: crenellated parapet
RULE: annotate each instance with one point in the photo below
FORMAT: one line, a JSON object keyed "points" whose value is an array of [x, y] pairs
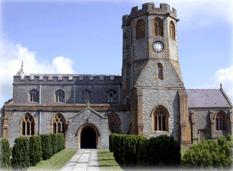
{"points": [[66, 79], [149, 9]]}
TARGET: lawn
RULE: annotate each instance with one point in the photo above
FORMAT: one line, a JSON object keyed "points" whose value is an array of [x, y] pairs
{"points": [[107, 161], [57, 161]]}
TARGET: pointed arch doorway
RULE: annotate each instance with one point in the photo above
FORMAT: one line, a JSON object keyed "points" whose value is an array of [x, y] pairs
{"points": [[88, 136]]}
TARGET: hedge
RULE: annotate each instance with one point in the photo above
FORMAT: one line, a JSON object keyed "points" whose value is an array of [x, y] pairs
{"points": [[209, 153], [61, 141], [162, 151], [47, 150], [20, 153], [58, 142], [54, 143], [132, 150], [5, 154], [35, 149]]}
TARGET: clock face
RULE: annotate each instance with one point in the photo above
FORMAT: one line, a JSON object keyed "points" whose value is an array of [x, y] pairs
{"points": [[158, 46]]}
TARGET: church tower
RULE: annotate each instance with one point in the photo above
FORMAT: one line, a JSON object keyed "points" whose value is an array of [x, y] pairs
{"points": [[152, 80]]}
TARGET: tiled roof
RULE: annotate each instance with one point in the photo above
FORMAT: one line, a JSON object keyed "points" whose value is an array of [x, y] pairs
{"points": [[206, 98]]}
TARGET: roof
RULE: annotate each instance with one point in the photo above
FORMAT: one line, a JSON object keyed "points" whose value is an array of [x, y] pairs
{"points": [[207, 98]]}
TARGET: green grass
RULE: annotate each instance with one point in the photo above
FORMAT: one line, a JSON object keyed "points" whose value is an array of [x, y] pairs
{"points": [[56, 162], [107, 161]]}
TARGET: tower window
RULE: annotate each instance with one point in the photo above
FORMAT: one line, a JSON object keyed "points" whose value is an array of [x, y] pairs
{"points": [[160, 71], [59, 124], [60, 96], [34, 96], [158, 26], [86, 96], [220, 124], [111, 96], [172, 31], [28, 125], [140, 29], [160, 119]]}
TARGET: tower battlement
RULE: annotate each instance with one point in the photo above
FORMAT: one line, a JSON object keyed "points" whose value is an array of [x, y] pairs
{"points": [[150, 9]]}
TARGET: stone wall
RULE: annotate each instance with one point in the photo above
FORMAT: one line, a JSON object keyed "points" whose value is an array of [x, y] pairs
{"points": [[43, 124], [153, 98], [204, 119], [98, 85]]}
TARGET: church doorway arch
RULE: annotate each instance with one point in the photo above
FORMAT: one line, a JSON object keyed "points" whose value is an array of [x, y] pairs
{"points": [[88, 137]]}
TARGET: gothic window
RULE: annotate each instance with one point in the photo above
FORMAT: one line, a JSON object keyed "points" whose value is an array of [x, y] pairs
{"points": [[160, 119], [86, 96], [172, 31], [114, 123], [158, 26], [220, 124], [59, 123], [140, 29], [28, 125], [111, 96], [160, 71], [34, 96], [60, 96]]}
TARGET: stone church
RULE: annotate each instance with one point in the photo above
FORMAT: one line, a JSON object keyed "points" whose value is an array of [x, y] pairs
{"points": [[149, 98]]}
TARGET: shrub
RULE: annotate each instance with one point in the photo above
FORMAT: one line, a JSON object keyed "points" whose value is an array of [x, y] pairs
{"points": [[20, 153], [61, 141], [47, 150], [209, 153], [162, 151], [35, 149], [131, 150], [5, 154], [58, 142], [54, 143]]}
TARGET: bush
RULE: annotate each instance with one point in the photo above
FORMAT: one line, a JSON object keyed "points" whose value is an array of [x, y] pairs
{"points": [[162, 151], [20, 153], [209, 153], [54, 142], [131, 150], [47, 150], [35, 149], [5, 154], [58, 142], [61, 141]]}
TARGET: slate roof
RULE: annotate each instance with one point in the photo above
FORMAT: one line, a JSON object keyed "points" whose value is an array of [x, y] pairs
{"points": [[207, 98]]}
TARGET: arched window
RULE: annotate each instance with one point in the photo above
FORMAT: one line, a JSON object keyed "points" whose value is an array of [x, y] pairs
{"points": [[158, 24], [140, 29], [28, 125], [172, 31], [86, 95], [59, 124], [111, 96], [161, 119], [114, 123], [60, 96], [220, 121], [34, 95], [160, 71]]}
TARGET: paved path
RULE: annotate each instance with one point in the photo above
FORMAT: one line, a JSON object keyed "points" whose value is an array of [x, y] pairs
{"points": [[83, 160]]}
